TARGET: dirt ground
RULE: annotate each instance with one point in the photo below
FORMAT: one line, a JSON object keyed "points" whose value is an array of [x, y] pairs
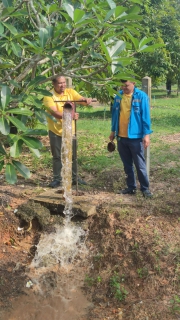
{"points": [[132, 270]]}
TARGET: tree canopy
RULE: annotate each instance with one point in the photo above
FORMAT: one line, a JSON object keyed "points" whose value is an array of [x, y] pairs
{"points": [[93, 42], [162, 21]]}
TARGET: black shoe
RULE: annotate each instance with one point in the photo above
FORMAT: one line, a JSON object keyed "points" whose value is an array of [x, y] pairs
{"points": [[147, 193], [127, 191], [79, 182], [54, 184]]}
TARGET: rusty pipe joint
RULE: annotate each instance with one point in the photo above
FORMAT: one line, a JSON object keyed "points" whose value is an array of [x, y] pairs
{"points": [[70, 107]]}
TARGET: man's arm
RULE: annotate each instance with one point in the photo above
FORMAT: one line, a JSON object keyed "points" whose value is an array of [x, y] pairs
{"points": [[114, 117], [87, 101], [55, 113], [146, 121], [112, 135], [52, 107], [146, 141], [145, 117]]}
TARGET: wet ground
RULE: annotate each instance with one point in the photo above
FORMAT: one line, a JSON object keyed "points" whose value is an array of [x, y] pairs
{"points": [[55, 294], [131, 268]]}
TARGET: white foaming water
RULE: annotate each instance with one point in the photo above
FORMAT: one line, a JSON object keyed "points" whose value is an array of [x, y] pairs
{"points": [[61, 247], [67, 242], [66, 156]]}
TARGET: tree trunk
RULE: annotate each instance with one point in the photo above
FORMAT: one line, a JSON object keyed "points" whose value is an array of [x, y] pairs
{"points": [[168, 87], [178, 87]]}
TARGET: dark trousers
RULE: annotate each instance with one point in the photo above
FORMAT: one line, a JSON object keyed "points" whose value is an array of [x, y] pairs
{"points": [[132, 151], [55, 144]]}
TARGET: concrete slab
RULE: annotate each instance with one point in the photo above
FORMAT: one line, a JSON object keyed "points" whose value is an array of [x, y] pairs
{"points": [[54, 201]]}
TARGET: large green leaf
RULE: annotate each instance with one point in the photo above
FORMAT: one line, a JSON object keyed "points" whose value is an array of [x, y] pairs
{"points": [[5, 96], [146, 48], [115, 66], [1, 28], [50, 30], [21, 111], [19, 13], [23, 170], [104, 49], [31, 100], [137, 1], [4, 126], [16, 149], [53, 7], [32, 142], [6, 65], [144, 41], [120, 11], [116, 49], [10, 174], [2, 151], [7, 3], [18, 124], [36, 81], [36, 132], [1, 164], [79, 15], [134, 9], [11, 28], [31, 44], [14, 137], [41, 116], [69, 9], [43, 37], [134, 40], [82, 23], [111, 3], [43, 92], [109, 14], [15, 84], [36, 152], [16, 49]]}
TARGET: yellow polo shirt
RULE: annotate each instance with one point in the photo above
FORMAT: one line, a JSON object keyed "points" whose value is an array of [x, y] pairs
{"points": [[125, 109], [68, 95]]}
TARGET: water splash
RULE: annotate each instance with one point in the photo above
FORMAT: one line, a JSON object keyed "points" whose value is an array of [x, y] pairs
{"points": [[62, 246]]}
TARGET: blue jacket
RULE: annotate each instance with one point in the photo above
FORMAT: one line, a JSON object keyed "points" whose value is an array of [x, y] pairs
{"points": [[139, 121]]}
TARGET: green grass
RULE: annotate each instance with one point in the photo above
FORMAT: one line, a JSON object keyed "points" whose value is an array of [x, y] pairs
{"points": [[165, 111], [161, 92], [165, 120], [93, 130]]}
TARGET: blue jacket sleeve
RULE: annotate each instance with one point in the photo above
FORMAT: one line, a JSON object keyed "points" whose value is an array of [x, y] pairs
{"points": [[146, 119], [115, 115]]}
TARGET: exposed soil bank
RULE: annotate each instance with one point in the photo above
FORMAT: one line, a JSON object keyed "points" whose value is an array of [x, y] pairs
{"points": [[132, 269]]}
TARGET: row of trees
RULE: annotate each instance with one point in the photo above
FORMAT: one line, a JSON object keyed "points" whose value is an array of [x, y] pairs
{"points": [[162, 21], [96, 43]]}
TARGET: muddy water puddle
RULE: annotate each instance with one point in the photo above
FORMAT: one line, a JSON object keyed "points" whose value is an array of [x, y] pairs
{"points": [[56, 295], [55, 277]]}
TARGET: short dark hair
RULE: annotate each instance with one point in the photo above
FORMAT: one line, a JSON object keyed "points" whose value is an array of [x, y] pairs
{"points": [[123, 81], [54, 79]]}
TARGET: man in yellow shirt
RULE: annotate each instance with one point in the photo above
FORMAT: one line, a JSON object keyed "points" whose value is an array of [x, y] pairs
{"points": [[55, 107]]}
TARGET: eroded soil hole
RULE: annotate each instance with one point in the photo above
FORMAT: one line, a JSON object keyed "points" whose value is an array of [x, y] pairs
{"points": [[48, 289]]}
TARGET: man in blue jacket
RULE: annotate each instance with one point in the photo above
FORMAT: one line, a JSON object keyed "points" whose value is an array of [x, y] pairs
{"points": [[131, 124]]}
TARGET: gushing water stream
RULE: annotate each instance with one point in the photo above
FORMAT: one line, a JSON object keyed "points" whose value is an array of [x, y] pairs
{"points": [[55, 282], [67, 241], [60, 247], [66, 156]]}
